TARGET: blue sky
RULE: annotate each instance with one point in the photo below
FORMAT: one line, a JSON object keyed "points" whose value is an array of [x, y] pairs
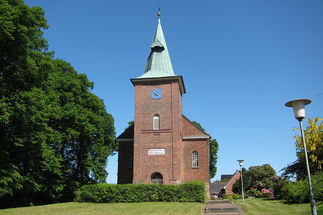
{"points": [[241, 61]]}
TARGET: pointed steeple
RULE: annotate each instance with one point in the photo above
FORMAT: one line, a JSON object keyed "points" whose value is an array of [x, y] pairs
{"points": [[158, 63]]}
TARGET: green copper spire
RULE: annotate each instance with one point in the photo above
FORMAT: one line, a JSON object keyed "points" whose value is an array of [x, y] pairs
{"points": [[158, 63]]}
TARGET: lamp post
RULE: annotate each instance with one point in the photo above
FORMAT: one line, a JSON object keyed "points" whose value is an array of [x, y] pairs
{"points": [[240, 163], [299, 113]]}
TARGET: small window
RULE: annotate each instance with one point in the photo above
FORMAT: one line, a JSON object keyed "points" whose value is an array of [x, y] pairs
{"points": [[130, 161], [195, 161], [156, 122]]}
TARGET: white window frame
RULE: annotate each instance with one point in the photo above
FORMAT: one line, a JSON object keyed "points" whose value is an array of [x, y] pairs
{"points": [[156, 122], [195, 160]]}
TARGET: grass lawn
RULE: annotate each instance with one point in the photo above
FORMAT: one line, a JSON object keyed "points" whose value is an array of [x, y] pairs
{"points": [[276, 207], [74, 208]]}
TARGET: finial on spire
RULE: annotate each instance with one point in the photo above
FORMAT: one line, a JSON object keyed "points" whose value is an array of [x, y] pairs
{"points": [[158, 14]]}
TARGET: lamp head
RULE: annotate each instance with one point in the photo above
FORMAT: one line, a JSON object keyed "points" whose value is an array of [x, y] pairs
{"points": [[298, 107], [240, 162]]}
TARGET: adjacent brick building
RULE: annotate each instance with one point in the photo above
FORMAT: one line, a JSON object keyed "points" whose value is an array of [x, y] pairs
{"points": [[162, 146], [219, 187]]}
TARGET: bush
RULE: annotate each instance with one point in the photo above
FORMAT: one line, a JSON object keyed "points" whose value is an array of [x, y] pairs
{"points": [[99, 193], [236, 196], [266, 193], [253, 193], [227, 196], [298, 192], [295, 192], [317, 181], [277, 188]]}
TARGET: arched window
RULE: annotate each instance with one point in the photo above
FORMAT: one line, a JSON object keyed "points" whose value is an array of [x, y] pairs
{"points": [[156, 122], [156, 178], [195, 160]]}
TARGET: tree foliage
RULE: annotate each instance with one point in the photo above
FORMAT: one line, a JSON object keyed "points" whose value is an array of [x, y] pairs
{"points": [[55, 134], [256, 177], [130, 123], [295, 170], [214, 147], [314, 143]]}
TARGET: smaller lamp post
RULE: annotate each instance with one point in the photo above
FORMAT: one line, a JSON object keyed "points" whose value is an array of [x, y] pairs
{"points": [[299, 113], [240, 163]]}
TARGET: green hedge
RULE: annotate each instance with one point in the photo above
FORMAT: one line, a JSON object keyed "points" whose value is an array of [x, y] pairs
{"points": [[99, 193]]}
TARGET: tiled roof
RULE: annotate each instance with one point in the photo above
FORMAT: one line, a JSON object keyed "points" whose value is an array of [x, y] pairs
{"points": [[216, 187]]}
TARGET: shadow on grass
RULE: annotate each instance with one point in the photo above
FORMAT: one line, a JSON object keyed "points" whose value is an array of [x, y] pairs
{"points": [[319, 204], [269, 199], [281, 200]]}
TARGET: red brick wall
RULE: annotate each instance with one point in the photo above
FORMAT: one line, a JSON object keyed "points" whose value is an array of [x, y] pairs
{"points": [[176, 164], [228, 189], [168, 137], [150, 164], [202, 172], [199, 145], [189, 129]]}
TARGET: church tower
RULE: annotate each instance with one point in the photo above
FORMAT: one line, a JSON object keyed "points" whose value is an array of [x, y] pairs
{"points": [[162, 146], [158, 117]]}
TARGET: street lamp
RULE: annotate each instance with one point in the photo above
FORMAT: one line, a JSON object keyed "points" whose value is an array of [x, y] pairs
{"points": [[240, 163], [299, 113]]}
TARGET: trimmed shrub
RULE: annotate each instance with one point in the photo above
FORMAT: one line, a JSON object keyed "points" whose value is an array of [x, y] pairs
{"points": [[99, 193]]}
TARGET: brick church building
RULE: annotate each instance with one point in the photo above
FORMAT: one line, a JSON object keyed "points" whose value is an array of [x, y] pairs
{"points": [[162, 146]]}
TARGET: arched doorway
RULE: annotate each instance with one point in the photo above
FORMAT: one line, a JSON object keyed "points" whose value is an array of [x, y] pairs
{"points": [[156, 178]]}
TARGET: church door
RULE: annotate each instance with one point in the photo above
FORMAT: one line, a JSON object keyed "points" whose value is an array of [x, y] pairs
{"points": [[156, 178]]}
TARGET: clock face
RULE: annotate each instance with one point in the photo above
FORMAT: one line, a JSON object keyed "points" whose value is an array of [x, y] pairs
{"points": [[156, 94]]}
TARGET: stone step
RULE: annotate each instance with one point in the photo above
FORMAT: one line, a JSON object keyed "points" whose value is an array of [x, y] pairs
{"points": [[224, 213], [214, 210], [222, 207], [218, 202]]}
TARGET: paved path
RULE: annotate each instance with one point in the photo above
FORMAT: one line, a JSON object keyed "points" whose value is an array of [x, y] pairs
{"points": [[221, 207]]}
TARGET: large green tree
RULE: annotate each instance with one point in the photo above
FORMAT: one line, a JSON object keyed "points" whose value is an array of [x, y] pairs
{"points": [[257, 177], [55, 134], [214, 147], [314, 144]]}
